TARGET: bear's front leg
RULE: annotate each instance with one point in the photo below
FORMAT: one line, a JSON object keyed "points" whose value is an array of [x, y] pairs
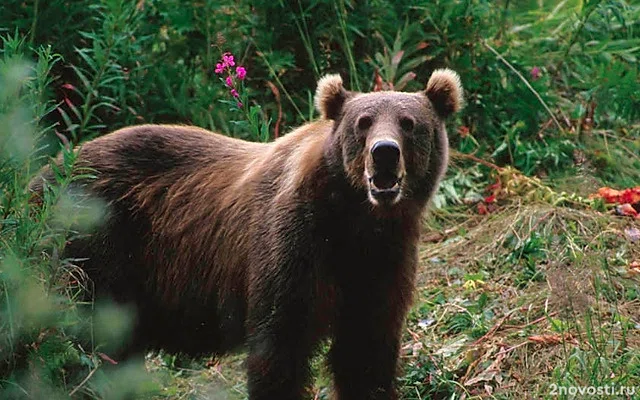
{"points": [[364, 355], [278, 367], [280, 343]]}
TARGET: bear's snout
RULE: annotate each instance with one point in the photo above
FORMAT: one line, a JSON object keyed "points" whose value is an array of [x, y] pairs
{"points": [[386, 155], [385, 172]]}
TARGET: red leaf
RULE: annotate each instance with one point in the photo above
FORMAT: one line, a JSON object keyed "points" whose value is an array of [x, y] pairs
{"points": [[631, 195], [107, 358], [626, 209], [378, 85], [397, 57], [482, 209]]}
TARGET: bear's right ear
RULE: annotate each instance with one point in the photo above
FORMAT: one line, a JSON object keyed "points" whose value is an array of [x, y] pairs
{"points": [[445, 92], [330, 96]]}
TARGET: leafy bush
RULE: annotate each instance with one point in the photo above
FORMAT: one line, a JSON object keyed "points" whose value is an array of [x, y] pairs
{"points": [[48, 341]]}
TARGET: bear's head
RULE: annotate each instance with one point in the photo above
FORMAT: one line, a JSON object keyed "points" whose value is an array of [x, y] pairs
{"points": [[393, 145]]}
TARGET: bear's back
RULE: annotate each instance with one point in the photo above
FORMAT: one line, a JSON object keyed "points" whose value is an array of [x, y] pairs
{"points": [[132, 155]]}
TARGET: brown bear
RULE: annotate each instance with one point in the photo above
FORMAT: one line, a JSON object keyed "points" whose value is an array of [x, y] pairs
{"points": [[220, 243]]}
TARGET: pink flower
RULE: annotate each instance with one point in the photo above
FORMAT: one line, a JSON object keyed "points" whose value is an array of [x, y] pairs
{"points": [[227, 60], [229, 81], [535, 73], [219, 68], [239, 104], [234, 93], [241, 72]]}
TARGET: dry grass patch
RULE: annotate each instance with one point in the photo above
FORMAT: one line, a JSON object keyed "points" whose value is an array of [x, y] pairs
{"points": [[529, 296]]}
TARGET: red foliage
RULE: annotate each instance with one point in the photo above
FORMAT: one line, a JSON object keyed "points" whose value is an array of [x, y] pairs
{"points": [[630, 196], [488, 204], [627, 200]]}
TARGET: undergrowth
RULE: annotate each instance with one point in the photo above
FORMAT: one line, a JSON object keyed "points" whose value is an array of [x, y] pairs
{"points": [[528, 298]]}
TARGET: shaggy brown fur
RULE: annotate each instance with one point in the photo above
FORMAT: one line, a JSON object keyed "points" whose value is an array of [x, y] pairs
{"points": [[220, 243]]}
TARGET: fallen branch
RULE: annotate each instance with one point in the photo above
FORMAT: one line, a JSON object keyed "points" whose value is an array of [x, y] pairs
{"points": [[276, 93], [84, 381], [532, 322], [494, 328], [457, 154]]}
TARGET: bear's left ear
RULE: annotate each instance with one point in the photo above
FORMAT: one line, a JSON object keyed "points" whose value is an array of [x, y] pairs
{"points": [[445, 92], [330, 96]]}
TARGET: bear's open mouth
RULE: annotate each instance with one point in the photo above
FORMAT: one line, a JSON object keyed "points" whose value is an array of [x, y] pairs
{"points": [[385, 187]]}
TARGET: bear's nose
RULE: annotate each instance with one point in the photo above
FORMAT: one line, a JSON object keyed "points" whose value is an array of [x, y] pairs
{"points": [[386, 154]]}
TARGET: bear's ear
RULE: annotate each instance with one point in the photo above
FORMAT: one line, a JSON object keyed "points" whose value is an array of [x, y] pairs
{"points": [[445, 92], [330, 96]]}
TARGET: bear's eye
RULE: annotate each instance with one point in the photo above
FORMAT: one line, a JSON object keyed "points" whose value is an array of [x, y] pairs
{"points": [[364, 123], [407, 124]]}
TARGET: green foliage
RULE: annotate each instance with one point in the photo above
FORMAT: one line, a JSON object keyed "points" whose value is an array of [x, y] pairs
{"points": [[30, 303], [100, 72], [462, 185], [153, 61], [528, 254], [425, 379], [49, 345]]}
